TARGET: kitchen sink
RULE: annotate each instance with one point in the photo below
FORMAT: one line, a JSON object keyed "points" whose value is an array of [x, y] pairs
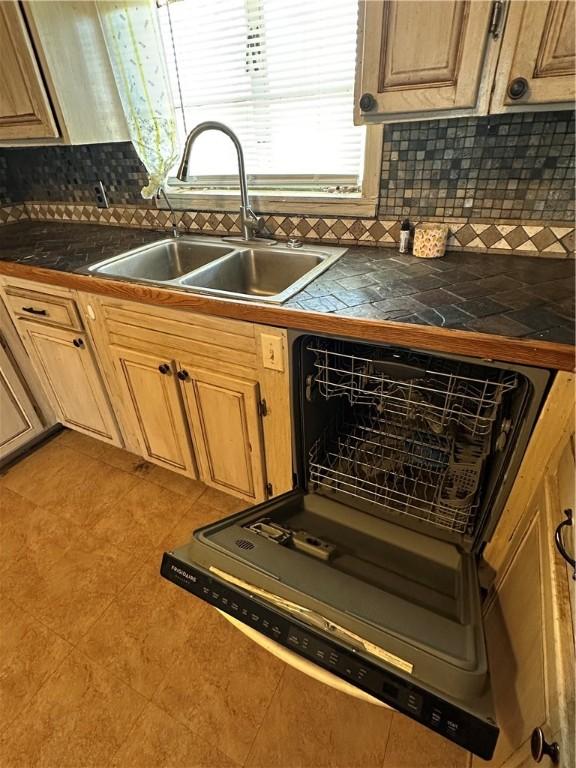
{"points": [[269, 273], [163, 261], [258, 273]]}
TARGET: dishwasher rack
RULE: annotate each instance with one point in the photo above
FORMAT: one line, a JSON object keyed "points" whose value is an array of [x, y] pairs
{"points": [[413, 386], [431, 477]]}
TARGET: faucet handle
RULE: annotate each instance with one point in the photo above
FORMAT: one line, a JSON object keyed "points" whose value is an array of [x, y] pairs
{"points": [[293, 242]]}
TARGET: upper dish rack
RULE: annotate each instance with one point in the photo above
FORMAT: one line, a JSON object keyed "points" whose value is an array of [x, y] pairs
{"points": [[413, 386]]}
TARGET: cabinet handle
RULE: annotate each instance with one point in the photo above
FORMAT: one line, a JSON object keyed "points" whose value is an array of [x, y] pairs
{"points": [[517, 88], [33, 311], [78, 343], [560, 544], [164, 368], [540, 747], [183, 375]]}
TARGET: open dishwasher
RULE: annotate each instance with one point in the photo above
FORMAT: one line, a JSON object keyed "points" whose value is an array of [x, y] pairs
{"points": [[368, 569]]}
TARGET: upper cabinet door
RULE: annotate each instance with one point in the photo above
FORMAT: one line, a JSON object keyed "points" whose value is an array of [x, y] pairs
{"points": [[537, 59], [419, 57], [25, 111]]}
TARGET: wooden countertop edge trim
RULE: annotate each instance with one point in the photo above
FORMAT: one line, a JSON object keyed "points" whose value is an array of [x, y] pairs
{"points": [[543, 354]]}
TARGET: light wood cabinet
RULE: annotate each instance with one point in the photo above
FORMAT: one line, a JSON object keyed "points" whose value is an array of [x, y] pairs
{"points": [[48, 50], [538, 57], [226, 425], [25, 111], [221, 410], [152, 395], [529, 614], [19, 422], [419, 60], [67, 368]]}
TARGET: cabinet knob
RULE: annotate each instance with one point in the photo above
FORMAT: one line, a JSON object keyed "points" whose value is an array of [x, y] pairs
{"points": [[183, 375], [367, 102], [517, 88], [164, 368], [540, 747], [78, 343]]}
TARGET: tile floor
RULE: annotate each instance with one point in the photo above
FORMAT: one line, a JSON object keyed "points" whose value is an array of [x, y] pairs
{"points": [[103, 663]]}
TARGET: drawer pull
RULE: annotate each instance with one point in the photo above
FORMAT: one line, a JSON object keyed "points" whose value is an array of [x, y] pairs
{"points": [[78, 343], [182, 375], [164, 368], [33, 311]]}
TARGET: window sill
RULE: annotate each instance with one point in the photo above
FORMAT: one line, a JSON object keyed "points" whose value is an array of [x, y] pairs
{"points": [[285, 202]]}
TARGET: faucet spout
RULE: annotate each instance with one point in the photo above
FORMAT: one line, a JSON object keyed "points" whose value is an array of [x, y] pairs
{"points": [[251, 223]]}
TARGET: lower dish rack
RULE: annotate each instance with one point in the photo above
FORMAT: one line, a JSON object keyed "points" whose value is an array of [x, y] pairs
{"points": [[408, 471]]}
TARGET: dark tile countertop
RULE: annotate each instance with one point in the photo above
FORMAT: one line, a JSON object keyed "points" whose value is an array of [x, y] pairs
{"points": [[514, 296]]}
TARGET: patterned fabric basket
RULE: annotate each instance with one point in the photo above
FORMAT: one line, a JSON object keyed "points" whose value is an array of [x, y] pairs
{"points": [[430, 241]]}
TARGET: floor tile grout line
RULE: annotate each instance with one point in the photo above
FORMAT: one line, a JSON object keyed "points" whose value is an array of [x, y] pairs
{"points": [[393, 713], [28, 704], [245, 763]]}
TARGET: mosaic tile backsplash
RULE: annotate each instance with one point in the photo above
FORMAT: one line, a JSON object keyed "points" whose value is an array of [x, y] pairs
{"points": [[68, 174], [501, 167], [504, 183]]}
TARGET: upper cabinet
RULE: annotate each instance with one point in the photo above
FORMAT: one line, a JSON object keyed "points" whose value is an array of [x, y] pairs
{"points": [[538, 58], [452, 58], [25, 110], [56, 82]]}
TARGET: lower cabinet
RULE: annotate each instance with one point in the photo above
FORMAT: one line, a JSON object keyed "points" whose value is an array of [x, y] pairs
{"points": [[529, 615], [67, 368], [198, 422], [151, 393], [226, 425], [19, 422]]}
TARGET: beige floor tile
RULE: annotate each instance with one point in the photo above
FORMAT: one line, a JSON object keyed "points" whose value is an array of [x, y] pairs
{"points": [[223, 501], [141, 633], [35, 476], [200, 514], [31, 538], [410, 745], [79, 719], [310, 725], [77, 441], [121, 459], [158, 741], [29, 653], [73, 592], [173, 481], [143, 518], [221, 686], [86, 486]]}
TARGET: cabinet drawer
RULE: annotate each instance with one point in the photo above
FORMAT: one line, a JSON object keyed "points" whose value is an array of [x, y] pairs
{"points": [[43, 308]]}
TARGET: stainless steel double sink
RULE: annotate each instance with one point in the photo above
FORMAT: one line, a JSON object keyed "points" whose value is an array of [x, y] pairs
{"points": [[269, 273]]}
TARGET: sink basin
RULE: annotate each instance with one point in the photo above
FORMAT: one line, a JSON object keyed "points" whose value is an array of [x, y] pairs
{"points": [[269, 273], [163, 261], [256, 272]]}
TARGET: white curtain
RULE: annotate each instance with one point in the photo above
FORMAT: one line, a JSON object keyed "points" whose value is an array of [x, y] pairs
{"points": [[135, 49]]}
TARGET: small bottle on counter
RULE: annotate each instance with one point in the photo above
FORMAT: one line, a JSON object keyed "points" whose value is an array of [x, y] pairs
{"points": [[404, 236]]}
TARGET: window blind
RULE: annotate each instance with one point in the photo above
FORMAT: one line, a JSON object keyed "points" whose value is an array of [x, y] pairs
{"points": [[280, 73]]}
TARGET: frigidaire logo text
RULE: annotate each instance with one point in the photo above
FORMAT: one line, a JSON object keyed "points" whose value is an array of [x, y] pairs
{"points": [[184, 573]]}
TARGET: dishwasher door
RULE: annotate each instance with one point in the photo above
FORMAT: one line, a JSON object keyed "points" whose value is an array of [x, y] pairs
{"points": [[415, 644]]}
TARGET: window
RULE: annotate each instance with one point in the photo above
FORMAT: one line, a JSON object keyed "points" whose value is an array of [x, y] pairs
{"points": [[280, 73]]}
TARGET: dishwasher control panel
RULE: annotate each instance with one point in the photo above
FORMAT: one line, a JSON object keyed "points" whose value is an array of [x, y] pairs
{"points": [[460, 726]]}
